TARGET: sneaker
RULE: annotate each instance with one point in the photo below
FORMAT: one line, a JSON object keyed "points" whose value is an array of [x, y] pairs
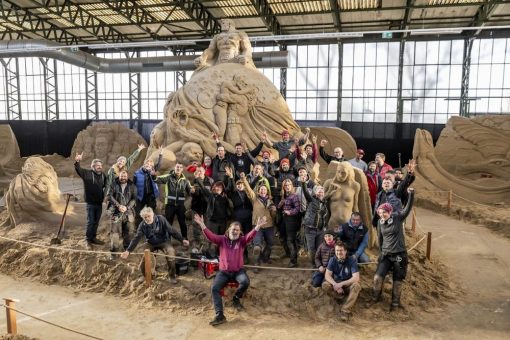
{"points": [[218, 320], [344, 316], [237, 304], [96, 241]]}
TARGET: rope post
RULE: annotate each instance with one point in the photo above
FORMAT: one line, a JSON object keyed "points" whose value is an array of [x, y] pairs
{"points": [[413, 225], [450, 199], [429, 244], [148, 269], [11, 316]]}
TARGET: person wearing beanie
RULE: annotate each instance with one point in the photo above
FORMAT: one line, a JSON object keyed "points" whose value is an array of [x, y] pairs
{"points": [[392, 250], [386, 195], [325, 251], [283, 147]]}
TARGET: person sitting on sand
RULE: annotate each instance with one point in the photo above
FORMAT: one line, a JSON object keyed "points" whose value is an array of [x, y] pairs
{"points": [[342, 279], [231, 246]]}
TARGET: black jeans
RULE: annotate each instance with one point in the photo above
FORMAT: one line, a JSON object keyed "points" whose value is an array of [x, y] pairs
{"points": [[394, 262], [94, 212], [179, 210], [291, 226], [221, 280]]}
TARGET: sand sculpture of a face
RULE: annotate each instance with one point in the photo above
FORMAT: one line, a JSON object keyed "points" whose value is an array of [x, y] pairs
{"points": [[190, 152]]}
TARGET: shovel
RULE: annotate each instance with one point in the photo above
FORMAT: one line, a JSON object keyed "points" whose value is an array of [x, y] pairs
{"points": [[56, 240]]}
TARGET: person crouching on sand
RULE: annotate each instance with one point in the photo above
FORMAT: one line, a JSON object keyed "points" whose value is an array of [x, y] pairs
{"points": [[231, 246]]}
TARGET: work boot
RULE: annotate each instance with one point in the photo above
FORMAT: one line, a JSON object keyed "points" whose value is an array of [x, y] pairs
{"points": [[218, 319], [344, 316], [96, 241], [395, 296], [237, 303], [376, 291]]}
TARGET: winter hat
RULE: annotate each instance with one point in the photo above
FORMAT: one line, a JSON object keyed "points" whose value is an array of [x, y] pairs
{"points": [[386, 207]]}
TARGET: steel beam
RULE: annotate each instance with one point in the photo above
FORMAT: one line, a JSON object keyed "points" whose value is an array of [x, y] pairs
{"points": [[400, 100], [32, 23], [50, 88], [91, 95], [466, 68], [11, 68], [335, 12], [210, 26], [283, 75], [266, 14]]}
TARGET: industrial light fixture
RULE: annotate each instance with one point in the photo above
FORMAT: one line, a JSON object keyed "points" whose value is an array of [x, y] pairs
{"points": [[436, 31]]}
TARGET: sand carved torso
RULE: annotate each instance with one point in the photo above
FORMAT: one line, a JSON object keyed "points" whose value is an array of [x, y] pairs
{"points": [[342, 191]]}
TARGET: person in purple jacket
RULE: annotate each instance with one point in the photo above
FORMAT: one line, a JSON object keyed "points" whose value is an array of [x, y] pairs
{"points": [[231, 246]]}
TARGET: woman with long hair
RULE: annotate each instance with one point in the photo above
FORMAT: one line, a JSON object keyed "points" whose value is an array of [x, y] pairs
{"points": [[290, 206]]}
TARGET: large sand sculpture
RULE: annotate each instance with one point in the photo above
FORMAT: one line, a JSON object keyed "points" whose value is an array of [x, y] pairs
{"points": [[432, 176], [107, 142], [476, 148], [34, 196], [227, 96], [10, 161]]}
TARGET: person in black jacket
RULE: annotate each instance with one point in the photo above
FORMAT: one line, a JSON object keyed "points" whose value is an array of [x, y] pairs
{"points": [[338, 153], [219, 163], [198, 205], [158, 234], [94, 182], [122, 199], [392, 250], [316, 219], [241, 160], [218, 210]]}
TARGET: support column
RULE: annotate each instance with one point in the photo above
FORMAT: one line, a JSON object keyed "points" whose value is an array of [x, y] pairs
{"points": [[50, 88], [180, 76], [11, 67], [400, 102], [135, 105], [283, 76], [466, 67], [339, 90], [91, 97]]}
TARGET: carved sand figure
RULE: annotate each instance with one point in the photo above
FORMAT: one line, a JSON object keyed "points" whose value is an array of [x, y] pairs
{"points": [[484, 143], [432, 176], [9, 149], [34, 196], [230, 46], [107, 142], [342, 191]]}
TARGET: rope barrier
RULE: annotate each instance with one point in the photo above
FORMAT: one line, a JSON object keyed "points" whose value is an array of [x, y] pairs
{"points": [[465, 199], [51, 323]]}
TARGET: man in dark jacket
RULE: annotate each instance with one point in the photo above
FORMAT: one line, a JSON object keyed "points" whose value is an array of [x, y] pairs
{"points": [[122, 199], [355, 237], [199, 204], [242, 160], [177, 187], [158, 233], [94, 182], [219, 163], [338, 153]]}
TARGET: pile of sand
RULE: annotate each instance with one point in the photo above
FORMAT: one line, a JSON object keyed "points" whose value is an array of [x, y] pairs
{"points": [[15, 337], [284, 293]]}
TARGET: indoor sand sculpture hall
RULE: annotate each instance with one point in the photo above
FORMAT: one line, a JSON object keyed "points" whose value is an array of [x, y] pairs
{"points": [[261, 169]]}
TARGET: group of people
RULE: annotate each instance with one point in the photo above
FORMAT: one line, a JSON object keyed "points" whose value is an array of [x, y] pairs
{"points": [[266, 199]]}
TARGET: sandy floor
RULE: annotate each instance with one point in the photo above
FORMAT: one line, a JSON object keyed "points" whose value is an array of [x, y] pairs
{"points": [[477, 258]]}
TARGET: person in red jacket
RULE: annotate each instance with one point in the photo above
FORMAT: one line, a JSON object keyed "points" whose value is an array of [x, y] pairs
{"points": [[231, 246], [374, 182], [382, 167]]}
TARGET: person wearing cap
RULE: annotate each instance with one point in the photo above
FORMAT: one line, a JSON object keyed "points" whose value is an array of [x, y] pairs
{"points": [[321, 257], [357, 161], [283, 147], [338, 153], [392, 250], [355, 237]]}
